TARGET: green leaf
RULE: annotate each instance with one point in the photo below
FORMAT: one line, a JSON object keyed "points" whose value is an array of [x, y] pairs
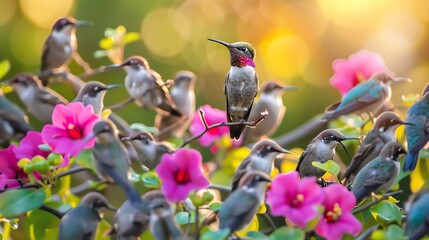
{"points": [[215, 235], [86, 159], [38, 222], [16, 202], [287, 233], [394, 232], [151, 180], [131, 37], [4, 67], [183, 218], [257, 235], [329, 166], [142, 127], [386, 212], [215, 206]]}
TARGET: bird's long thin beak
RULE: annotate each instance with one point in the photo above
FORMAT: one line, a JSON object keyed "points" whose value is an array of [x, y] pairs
{"points": [[89, 137], [111, 208], [282, 150], [289, 88], [350, 138], [127, 139], [345, 149], [402, 79], [83, 23], [111, 86], [408, 123], [219, 41], [114, 66]]}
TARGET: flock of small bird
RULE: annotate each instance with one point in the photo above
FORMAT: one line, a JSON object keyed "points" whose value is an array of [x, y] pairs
{"points": [[373, 168]]}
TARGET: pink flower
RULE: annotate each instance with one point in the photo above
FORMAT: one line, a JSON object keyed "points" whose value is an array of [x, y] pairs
{"points": [[29, 148], [295, 199], [181, 173], [71, 124], [337, 219], [357, 68], [212, 116], [10, 172]]}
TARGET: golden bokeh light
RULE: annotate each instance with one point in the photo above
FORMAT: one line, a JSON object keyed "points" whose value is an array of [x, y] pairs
{"points": [[44, 13], [7, 10]]}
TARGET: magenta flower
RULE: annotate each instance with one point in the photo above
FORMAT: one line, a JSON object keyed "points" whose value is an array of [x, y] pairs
{"points": [[357, 68], [10, 173], [29, 148], [71, 124], [212, 116], [337, 219], [295, 199], [181, 173]]}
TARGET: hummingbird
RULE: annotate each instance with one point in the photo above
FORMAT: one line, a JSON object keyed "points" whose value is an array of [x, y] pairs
{"points": [[417, 220], [382, 132], [151, 150], [60, 46], [261, 158], [146, 87], [131, 222], [163, 225], [183, 95], [366, 97], [271, 100], [81, 222], [320, 149], [418, 133], [380, 173], [13, 120], [112, 160], [40, 100], [92, 93], [241, 84], [238, 210]]}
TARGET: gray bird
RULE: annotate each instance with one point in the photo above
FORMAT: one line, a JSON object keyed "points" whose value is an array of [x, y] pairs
{"points": [[382, 132], [320, 149], [92, 93], [81, 222], [146, 87], [366, 97], [112, 160], [417, 220], [261, 158], [241, 84], [60, 46], [13, 121], [183, 95], [163, 225], [151, 150], [238, 210], [380, 173], [271, 100], [40, 101], [131, 222]]}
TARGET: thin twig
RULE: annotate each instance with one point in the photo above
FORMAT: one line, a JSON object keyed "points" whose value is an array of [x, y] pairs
{"points": [[92, 72], [270, 222], [368, 205], [367, 233], [197, 223], [51, 210], [222, 124], [203, 119], [121, 104]]}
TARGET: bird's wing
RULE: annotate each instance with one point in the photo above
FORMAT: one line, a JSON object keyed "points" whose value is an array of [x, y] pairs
{"points": [[50, 97], [420, 133], [239, 172], [362, 153], [233, 216], [301, 159], [377, 177], [45, 53]]}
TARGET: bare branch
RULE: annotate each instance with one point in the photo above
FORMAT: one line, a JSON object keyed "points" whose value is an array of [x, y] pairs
{"points": [[368, 205]]}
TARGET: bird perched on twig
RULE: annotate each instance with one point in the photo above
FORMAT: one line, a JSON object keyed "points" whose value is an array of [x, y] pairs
{"points": [[241, 84]]}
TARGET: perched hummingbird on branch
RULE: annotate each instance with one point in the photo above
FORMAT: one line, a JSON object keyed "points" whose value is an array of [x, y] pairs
{"points": [[163, 225], [92, 93], [380, 173], [320, 149], [270, 100], [146, 87], [241, 84], [241, 206], [60, 46], [382, 132], [261, 158], [366, 97], [81, 222], [417, 208], [40, 101], [418, 133], [183, 95]]}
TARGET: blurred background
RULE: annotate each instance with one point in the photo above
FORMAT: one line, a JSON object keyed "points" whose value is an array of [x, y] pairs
{"points": [[296, 42]]}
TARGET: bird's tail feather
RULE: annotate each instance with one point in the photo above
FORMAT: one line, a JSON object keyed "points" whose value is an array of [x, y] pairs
{"points": [[235, 131], [410, 161]]}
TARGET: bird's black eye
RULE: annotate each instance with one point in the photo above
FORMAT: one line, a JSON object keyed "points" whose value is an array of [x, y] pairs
{"points": [[243, 49]]}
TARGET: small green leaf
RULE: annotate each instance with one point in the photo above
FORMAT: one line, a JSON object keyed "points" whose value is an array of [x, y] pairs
{"points": [[4, 67], [183, 218], [142, 127], [215, 206], [287, 233], [329, 166], [16, 202], [257, 235], [386, 212], [151, 180], [86, 159], [131, 37], [394, 232], [215, 235]]}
